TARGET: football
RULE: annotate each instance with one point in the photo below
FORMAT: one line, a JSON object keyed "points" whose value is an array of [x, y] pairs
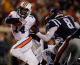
{"points": [[17, 24]]}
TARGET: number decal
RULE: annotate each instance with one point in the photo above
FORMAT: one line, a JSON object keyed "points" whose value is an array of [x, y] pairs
{"points": [[16, 30], [31, 16], [69, 24], [22, 29]]}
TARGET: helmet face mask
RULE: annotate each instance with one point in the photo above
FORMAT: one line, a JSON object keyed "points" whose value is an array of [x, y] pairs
{"points": [[24, 9], [23, 12]]}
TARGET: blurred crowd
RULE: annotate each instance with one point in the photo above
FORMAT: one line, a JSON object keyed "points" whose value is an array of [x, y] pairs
{"points": [[40, 9]]}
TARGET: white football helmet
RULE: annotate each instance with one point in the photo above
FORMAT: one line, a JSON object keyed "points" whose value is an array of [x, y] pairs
{"points": [[26, 6]]}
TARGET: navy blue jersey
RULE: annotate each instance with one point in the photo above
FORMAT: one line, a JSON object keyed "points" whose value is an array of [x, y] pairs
{"points": [[65, 26]]}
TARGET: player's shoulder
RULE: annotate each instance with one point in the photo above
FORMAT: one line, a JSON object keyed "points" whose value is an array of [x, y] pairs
{"points": [[68, 16], [13, 12], [31, 18], [53, 20]]}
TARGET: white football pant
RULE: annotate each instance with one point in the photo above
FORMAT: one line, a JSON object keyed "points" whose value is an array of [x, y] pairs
{"points": [[22, 50]]}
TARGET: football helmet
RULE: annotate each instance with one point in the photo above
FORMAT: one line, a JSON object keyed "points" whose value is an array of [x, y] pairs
{"points": [[26, 7], [55, 12]]}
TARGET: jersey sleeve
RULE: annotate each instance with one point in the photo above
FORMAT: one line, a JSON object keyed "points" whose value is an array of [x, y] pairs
{"points": [[12, 14], [53, 24], [10, 19], [46, 28]]}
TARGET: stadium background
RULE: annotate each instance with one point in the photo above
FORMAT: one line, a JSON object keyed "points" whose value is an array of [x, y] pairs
{"points": [[40, 9]]}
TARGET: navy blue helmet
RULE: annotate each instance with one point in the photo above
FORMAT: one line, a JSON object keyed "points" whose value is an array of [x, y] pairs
{"points": [[55, 12]]}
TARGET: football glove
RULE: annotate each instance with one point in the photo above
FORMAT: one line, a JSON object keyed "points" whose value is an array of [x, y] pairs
{"points": [[35, 29]]}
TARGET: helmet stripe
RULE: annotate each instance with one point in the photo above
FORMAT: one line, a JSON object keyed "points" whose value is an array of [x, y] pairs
{"points": [[25, 3], [58, 10]]}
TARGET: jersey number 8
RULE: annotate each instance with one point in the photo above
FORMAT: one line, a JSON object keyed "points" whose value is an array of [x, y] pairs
{"points": [[69, 24]]}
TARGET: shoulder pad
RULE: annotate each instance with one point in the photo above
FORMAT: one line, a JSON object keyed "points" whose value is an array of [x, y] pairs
{"points": [[13, 13], [31, 18]]}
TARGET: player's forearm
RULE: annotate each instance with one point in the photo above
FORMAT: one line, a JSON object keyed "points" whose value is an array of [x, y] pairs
{"points": [[11, 20], [49, 34], [44, 37]]}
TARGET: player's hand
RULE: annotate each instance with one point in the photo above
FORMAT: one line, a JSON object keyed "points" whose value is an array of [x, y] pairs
{"points": [[35, 29]]}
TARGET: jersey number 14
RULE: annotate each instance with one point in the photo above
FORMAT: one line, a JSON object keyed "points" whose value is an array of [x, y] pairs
{"points": [[22, 29]]}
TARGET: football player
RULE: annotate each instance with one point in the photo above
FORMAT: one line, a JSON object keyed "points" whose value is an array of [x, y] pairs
{"points": [[64, 26], [21, 21], [47, 56]]}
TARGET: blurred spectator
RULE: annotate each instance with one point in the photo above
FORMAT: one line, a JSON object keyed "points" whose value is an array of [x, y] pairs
{"points": [[72, 13], [78, 16], [32, 0], [2, 44], [63, 4], [7, 7], [14, 3], [45, 11], [19, 2], [56, 1], [76, 5], [8, 39], [64, 12], [40, 17], [69, 3], [57, 5], [2, 15], [3, 49], [33, 7]]}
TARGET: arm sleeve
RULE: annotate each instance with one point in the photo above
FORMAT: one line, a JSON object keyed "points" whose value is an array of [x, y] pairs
{"points": [[48, 35], [51, 24], [11, 20]]}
